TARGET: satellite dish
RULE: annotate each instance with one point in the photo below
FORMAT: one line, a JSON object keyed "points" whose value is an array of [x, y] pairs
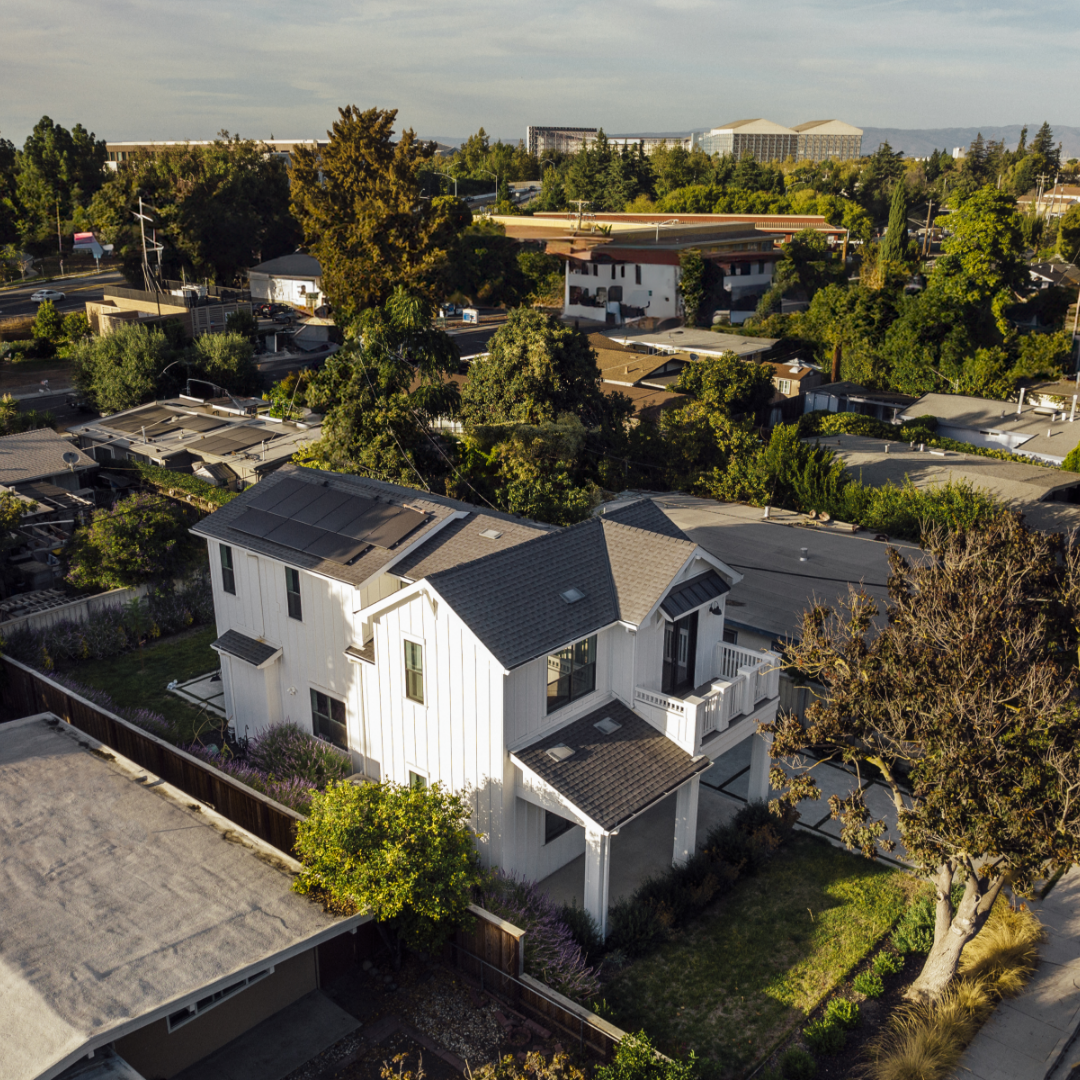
{"points": [[70, 457]]}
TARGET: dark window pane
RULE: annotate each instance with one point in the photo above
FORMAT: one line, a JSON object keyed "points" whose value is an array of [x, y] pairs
{"points": [[414, 672], [228, 577], [292, 593], [555, 826], [571, 673]]}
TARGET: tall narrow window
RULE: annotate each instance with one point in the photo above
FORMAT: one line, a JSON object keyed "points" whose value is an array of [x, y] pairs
{"points": [[292, 592], [416, 781], [571, 673], [228, 576], [328, 719], [637, 274], [414, 672]]}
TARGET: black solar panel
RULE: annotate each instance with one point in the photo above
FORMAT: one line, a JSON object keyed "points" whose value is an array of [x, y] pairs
{"points": [[294, 534], [270, 495], [340, 549], [147, 417], [343, 514], [396, 529], [315, 511], [200, 423], [257, 522], [370, 515]]}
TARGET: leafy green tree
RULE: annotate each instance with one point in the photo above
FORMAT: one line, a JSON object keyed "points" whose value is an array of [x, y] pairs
{"points": [[12, 509], [138, 539], [358, 203], [243, 323], [227, 359], [982, 770], [75, 327], [123, 368], [806, 266], [48, 324], [637, 1059], [483, 266], [728, 385], [218, 209], [691, 284], [381, 392], [1068, 241], [9, 217], [543, 274], [403, 854], [537, 368], [883, 168], [58, 171], [894, 246]]}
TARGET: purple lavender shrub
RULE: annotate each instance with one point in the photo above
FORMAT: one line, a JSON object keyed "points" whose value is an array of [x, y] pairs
{"points": [[285, 750], [294, 792], [551, 953]]}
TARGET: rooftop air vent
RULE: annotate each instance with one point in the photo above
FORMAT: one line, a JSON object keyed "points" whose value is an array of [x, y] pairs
{"points": [[572, 596], [560, 752], [490, 534], [607, 725]]}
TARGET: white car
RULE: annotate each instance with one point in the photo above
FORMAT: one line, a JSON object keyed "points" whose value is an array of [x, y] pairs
{"points": [[46, 294]]}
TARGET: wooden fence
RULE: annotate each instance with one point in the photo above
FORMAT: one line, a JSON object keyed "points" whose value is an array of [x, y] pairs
{"points": [[25, 692], [492, 951]]}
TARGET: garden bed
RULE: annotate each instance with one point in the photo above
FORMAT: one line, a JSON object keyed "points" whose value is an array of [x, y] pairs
{"points": [[744, 975]]}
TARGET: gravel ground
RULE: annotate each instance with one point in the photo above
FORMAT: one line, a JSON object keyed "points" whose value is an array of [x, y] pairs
{"points": [[455, 1017]]}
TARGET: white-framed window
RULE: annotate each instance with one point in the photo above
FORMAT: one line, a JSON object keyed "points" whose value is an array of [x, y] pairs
{"points": [[414, 671], [783, 385], [292, 593], [328, 719], [228, 573], [571, 673], [417, 780], [184, 1016]]}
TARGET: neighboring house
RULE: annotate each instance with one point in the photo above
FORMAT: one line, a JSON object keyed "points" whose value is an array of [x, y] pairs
{"points": [[196, 308], [1048, 498], [290, 279], [567, 679], [137, 919], [1043, 432], [793, 380], [1048, 274], [852, 397], [44, 456], [1053, 202], [692, 342], [221, 440]]}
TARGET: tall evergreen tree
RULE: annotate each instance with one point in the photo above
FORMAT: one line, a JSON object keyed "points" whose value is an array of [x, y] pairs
{"points": [[895, 242]]}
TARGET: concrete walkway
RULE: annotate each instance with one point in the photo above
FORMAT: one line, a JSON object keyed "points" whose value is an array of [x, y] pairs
{"points": [[1031, 1037]]}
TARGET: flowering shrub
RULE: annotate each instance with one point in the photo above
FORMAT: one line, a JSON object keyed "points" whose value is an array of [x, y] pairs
{"points": [[286, 750], [149, 721], [115, 629], [551, 953], [294, 792]]}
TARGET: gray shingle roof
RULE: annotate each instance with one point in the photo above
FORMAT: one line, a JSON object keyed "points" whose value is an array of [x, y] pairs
{"points": [[31, 455], [609, 778], [645, 514], [693, 593], [462, 542], [244, 648], [512, 600], [296, 265]]}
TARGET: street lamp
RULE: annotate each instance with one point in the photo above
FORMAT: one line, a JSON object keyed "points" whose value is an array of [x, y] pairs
{"points": [[451, 177], [496, 175]]}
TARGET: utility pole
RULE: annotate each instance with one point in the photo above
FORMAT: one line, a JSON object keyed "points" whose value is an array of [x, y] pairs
{"points": [[580, 204], [148, 278], [59, 239], [1042, 178]]}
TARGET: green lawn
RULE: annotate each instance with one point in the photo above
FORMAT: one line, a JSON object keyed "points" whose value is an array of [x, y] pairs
{"points": [[138, 678], [748, 970]]}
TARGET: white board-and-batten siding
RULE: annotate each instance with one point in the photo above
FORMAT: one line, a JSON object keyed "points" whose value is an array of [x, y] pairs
{"points": [[456, 736]]}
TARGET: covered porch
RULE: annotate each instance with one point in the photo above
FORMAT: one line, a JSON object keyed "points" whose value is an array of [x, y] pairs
{"points": [[611, 771]]}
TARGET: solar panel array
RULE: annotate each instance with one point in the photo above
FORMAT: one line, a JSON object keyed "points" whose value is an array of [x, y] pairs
{"points": [[157, 420], [325, 522], [232, 442]]}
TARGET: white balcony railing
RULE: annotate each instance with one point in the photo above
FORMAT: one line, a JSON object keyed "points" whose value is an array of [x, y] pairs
{"points": [[744, 679]]}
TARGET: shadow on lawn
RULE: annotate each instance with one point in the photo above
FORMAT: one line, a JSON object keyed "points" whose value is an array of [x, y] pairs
{"points": [[749, 969]]}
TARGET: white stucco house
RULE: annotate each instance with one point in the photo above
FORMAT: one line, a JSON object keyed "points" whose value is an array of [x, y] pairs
{"points": [[568, 679], [288, 279]]}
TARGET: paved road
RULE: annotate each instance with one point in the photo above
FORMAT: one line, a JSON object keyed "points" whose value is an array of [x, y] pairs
{"points": [[77, 291]]}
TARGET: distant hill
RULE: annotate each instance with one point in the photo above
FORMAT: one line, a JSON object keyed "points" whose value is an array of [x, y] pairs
{"points": [[921, 142]]}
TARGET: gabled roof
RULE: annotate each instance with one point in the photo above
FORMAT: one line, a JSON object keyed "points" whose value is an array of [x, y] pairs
{"points": [[513, 600], [31, 455], [611, 777], [296, 265], [644, 514]]}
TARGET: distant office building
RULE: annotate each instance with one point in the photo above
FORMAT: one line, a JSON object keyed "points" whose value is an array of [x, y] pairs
{"points": [[650, 143], [128, 151], [567, 140], [820, 140], [762, 139]]}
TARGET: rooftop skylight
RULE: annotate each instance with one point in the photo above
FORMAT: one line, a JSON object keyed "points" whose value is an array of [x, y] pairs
{"points": [[607, 725], [572, 595], [560, 752], [490, 534]]}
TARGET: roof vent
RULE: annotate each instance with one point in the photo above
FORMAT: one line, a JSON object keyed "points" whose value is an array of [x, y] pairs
{"points": [[607, 725], [490, 534], [573, 595], [560, 752]]}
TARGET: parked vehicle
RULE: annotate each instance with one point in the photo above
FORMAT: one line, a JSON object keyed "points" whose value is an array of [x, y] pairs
{"points": [[42, 295]]}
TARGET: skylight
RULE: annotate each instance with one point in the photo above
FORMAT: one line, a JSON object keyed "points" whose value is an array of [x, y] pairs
{"points": [[490, 534], [560, 752], [607, 725], [572, 595]]}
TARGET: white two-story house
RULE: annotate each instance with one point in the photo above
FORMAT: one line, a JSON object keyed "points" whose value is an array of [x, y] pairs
{"points": [[567, 679]]}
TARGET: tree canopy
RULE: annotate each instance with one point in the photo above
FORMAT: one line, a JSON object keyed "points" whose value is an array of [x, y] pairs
{"points": [[358, 203], [964, 703], [404, 854], [122, 368]]}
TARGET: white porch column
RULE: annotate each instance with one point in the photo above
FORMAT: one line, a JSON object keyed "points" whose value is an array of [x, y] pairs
{"points": [[760, 763], [597, 868], [686, 809]]}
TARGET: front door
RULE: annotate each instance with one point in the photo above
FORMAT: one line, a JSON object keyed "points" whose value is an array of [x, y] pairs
{"points": [[680, 645]]}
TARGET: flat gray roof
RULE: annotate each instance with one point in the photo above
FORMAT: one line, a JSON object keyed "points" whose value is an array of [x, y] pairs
{"points": [[691, 340], [124, 899], [777, 587]]}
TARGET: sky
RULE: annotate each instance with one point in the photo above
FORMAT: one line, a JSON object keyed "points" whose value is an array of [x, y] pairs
{"points": [[145, 69]]}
